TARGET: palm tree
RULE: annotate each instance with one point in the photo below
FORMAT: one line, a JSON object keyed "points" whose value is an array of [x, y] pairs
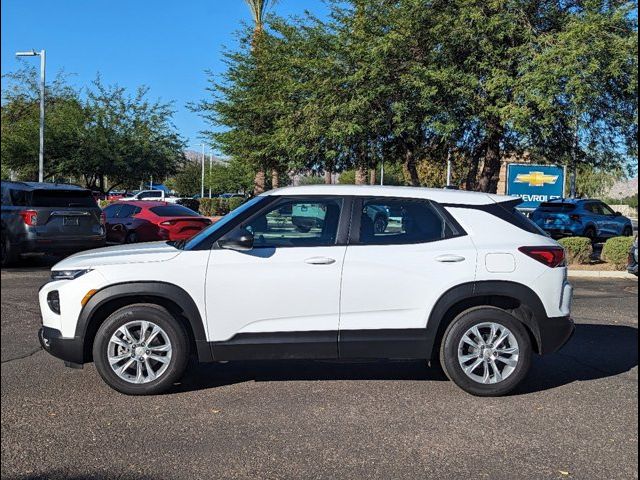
{"points": [[258, 10]]}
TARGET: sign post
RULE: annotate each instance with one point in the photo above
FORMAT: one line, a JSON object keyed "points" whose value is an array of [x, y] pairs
{"points": [[535, 184]]}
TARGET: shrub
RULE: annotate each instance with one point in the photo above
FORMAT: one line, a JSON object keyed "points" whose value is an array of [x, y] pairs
{"points": [[192, 203], [215, 207], [105, 203], [579, 249], [235, 202], [616, 251]]}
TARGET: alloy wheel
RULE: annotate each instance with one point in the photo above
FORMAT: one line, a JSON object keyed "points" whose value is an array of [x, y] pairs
{"points": [[488, 353], [139, 351]]}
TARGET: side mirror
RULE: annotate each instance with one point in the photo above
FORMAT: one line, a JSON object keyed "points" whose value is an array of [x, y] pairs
{"points": [[240, 240], [618, 214]]}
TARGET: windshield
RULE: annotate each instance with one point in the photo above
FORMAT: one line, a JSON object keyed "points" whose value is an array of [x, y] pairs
{"points": [[211, 230]]}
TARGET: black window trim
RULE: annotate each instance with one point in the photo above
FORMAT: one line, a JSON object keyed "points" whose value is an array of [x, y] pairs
{"points": [[344, 222], [358, 205]]}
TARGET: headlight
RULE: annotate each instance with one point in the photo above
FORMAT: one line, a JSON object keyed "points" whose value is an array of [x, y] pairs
{"points": [[67, 274]]}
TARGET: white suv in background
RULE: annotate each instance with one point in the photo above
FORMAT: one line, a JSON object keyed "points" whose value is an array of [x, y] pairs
{"points": [[458, 276]]}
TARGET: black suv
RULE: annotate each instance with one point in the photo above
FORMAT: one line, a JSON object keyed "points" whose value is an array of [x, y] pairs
{"points": [[48, 218]]}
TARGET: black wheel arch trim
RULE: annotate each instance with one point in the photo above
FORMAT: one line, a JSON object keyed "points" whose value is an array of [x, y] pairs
{"points": [[164, 290], [537, 322]]}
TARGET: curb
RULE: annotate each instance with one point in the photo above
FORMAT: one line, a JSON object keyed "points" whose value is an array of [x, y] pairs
{"points": [[601, 274]]}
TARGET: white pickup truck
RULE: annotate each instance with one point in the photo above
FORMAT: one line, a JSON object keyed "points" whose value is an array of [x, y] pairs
{"points": [[156, 195]]}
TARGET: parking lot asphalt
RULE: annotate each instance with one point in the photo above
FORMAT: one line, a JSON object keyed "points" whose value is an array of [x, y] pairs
{"points": [[576, 416]]}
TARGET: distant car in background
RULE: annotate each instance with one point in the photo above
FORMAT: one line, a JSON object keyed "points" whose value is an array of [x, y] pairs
{"points": [[147, 221], [589, 218], [308, 216], [151, 195], [48, 218], [633, 258]]}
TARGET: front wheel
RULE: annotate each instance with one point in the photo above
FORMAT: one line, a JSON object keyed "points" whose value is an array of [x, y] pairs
{"points": [[486, 352], [141, 350]]}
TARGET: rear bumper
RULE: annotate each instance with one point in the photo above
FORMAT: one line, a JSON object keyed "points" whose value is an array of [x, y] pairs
{"points": [[555, 333], [68, 349], [61, 244]]}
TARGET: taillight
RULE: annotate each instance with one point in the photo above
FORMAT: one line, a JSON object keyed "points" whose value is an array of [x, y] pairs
{"points": [[30, 217], [552, 257]]}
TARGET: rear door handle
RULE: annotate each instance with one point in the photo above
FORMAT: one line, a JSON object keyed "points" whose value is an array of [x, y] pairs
{"points": [[450, 259], [319, 261]]}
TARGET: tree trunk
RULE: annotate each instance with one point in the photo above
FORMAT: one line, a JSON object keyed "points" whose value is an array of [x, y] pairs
{"points": [[275, 178], [259, 182], [361, 175], [328, 176], [411, 169], [490, 175], [372, 176]]}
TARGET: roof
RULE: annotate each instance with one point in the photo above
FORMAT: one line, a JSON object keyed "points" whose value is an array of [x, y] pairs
{"points": [[439, 195], [30, 186], [573, 201]]}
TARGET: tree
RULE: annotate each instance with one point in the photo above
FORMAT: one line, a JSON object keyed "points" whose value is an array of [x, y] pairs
{"points": [[108, 134]]}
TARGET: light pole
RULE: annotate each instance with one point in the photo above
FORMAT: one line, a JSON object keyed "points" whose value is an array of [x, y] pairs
{"points": [[42, 56], [210, 167], [202, 179]]}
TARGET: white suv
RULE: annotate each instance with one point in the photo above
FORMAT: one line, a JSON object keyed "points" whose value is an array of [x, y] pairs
{"points": [[459, 276]]}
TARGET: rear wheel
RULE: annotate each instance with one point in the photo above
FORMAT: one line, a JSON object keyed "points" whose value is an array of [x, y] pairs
{"points": [[141, 350], [132, 237], [591, 234], [627, 232], [486, 352]]}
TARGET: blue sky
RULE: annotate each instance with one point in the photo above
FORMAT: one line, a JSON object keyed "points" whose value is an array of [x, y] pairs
{"points": [[164, 44]]}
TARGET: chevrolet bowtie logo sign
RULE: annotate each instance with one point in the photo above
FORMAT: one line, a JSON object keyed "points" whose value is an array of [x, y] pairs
{"points": [[537, 179]]}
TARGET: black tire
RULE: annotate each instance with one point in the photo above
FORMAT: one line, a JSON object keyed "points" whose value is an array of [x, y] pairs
{"points": [[453, 337], [627, 232], [10, 252], [303, 228], [591, 234], [132, 237], [380, 224], [165, 320]]}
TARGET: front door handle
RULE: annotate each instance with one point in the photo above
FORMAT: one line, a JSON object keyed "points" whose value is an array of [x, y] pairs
{"points": [[450, 258], [319, 261]]}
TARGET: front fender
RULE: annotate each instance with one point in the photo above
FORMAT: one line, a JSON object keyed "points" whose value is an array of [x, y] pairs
{"points": [[162, 290]]}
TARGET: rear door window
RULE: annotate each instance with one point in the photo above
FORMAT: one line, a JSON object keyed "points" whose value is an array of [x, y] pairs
{"points": [[154, 194], [391, 221], [62, 198], [174, 211]]}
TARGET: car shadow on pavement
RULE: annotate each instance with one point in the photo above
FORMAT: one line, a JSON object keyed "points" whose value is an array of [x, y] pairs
{"points": [[595, 351]]}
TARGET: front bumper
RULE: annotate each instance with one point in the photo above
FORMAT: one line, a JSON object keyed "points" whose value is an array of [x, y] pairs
{"points": [[71, 350], [555, 333]]}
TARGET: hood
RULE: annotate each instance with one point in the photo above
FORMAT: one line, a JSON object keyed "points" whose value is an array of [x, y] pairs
{"points": [[118, 255]]}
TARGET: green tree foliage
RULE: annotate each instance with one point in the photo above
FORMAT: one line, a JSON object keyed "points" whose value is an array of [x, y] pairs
{"points": [[106, 133], [230, 177], [412, 82], [187, 181]]}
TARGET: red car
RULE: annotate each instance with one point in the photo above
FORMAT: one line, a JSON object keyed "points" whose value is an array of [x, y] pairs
{"points": [[147, 221]]}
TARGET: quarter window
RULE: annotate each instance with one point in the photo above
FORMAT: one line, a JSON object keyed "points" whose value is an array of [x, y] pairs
{"points": [[402, 221], [297, 223]]}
